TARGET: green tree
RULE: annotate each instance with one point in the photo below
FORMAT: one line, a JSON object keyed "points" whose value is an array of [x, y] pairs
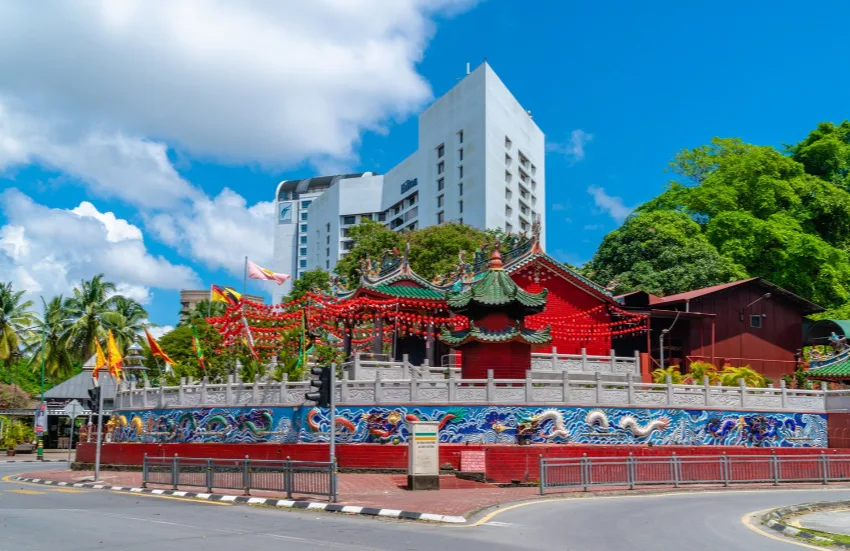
{"points": [[127, 320], [662, 252], [16, 316], [311, 281], [434, 250], [369, 239], [90, 301], [179, 347], [54, 325], [826, 153]]}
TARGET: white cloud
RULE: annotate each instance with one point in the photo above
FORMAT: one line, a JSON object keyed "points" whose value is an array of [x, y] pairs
{"points": [[158, 332], [139, 293], [573, 149], [116, 229], [274, 82], [47, 251], [219, 232], [612, 205]]}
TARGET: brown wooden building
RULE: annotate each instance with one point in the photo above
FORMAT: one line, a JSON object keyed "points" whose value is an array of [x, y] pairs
{"points": [[749, 322]]}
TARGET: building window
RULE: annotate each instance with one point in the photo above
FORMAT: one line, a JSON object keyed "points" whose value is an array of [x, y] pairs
{"points": [[460, 221], [441, 167], [305, 204], [382, 217], [523, 225], [440, 217], [441, 183], [303, 216], [344, 232], [460, 172], [755, 321], [348, 219], [460, 136], [508, 177], [523, 160], [327, 240], [508, 194], [508, 228], [412, 199], [303, 251], [303, 239], [508, 142], [365, 217], [302, 263], [460, 207], [533, 169], [508, 211], [460, 189], [440, 201], [508, 160], [460, 154], [328, 251], [534, 184], [327, 264], [303, 228], [441, 150]]}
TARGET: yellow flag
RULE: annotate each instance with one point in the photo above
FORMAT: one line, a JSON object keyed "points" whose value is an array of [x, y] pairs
{"points": [[99, 360], [115, 358]]}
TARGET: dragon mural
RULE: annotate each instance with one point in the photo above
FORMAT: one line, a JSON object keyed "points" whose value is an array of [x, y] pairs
{"points": [[388, 424]]}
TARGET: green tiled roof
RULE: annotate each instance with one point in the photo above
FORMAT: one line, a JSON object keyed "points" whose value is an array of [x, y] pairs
{"points": [[496, 288], [838, 370], [510, 333], [409, 292]]}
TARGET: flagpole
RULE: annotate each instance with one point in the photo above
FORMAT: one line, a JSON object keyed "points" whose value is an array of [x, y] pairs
{"points": [[209, 306], [245, 277]]}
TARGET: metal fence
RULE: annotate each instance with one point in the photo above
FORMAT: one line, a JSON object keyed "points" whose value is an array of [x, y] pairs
{"points": [[291, 477], [586, 472]]}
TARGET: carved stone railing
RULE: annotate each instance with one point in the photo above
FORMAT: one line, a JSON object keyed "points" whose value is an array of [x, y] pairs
{"points": [[415, 390]]}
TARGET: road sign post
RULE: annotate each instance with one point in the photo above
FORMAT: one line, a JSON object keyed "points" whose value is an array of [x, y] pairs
{"points": [[72, 410], [40, 427]]}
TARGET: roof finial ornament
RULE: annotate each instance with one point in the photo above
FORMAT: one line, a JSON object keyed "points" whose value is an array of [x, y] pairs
{"points": [[535, 237], [496, 258]]}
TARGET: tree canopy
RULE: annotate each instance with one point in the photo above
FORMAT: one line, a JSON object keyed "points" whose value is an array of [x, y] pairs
{"points": [[740, 210]]}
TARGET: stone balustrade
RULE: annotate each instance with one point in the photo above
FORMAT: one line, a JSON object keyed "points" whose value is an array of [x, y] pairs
{"points": [[532, 391]]}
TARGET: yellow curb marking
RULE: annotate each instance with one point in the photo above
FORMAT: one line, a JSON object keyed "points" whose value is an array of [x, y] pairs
{"points": [[26, 492], [191, 499], [746, 520]]}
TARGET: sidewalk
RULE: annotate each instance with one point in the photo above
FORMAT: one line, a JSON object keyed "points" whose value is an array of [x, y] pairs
{"points": [[455, 498], [51, 455]]}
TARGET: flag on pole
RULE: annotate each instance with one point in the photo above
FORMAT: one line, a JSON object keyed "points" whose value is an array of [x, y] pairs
{"points": [[115, 358], [156, 351], [249, 340], [198, 350], [99, 360], [225, 294], [258, 272]]}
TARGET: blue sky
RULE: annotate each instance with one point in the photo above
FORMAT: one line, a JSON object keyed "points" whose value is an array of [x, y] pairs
{"points": [[174, 146]]}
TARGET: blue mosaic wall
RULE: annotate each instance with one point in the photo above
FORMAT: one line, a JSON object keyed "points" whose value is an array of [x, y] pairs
{"points": [[477, 424]]}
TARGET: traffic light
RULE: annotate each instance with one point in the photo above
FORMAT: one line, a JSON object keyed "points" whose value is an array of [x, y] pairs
{"points": [[94, 399], [321, 381]]}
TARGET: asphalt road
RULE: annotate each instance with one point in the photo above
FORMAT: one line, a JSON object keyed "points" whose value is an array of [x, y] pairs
{"points": [[64, 519]]}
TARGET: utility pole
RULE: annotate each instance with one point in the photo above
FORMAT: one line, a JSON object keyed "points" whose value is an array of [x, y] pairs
{"points": [[99, 430]]}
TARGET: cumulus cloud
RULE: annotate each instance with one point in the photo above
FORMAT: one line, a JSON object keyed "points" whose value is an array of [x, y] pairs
{"points": [[274, 82], [47, 251], [219, 232], [612, 205], [572, 149]]}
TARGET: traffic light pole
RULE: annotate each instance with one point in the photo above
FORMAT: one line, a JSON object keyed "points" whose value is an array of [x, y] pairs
{"points": [[99, 431], [333, 430]]}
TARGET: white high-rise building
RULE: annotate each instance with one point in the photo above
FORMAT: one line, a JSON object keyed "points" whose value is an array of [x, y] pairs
{"points": [[480, 161]]}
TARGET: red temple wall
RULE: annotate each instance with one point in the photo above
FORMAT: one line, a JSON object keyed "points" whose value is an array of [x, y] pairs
{"points": [[565, 299], [508, 360]]}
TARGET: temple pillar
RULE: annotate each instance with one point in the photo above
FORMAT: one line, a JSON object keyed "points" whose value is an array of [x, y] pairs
{"points": [[430, 346], [346, 341]]}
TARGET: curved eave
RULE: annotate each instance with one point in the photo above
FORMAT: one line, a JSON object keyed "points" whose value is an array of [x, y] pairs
{"points": [[510, 334]]}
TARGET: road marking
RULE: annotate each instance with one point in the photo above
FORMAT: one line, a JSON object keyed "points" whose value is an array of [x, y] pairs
{"points": [[747, 521], [68, 491], [26, 492], [497, 523], [184, 499], [488, 516]]}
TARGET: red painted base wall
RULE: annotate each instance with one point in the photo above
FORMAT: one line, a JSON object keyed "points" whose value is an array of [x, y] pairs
{"points": [[505, 463]]}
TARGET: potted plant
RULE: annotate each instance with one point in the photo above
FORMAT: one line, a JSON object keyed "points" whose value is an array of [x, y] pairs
{"points": [[11, 443]]}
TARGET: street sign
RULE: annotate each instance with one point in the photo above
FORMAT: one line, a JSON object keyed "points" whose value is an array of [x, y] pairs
{"points": [[41, 418], [73, 409]]}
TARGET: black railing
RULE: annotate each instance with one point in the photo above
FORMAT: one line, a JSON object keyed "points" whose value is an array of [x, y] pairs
{"points": [[290, 477]]}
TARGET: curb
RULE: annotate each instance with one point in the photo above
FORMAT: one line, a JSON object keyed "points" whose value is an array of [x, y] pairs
{"points": [[775, 520], [313, 506]]}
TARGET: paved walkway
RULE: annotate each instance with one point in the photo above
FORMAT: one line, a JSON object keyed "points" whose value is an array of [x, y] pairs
{"points": [[833, 522], [456, 497], [49, 455]]}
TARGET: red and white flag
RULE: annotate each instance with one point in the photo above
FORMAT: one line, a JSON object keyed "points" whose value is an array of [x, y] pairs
{"points": [[256, 272]]}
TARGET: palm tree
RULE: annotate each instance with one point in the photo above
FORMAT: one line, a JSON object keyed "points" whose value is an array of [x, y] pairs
{"points": [[752, 378], [91, 300], [126, 319], [16, 316], [58, 363]]}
